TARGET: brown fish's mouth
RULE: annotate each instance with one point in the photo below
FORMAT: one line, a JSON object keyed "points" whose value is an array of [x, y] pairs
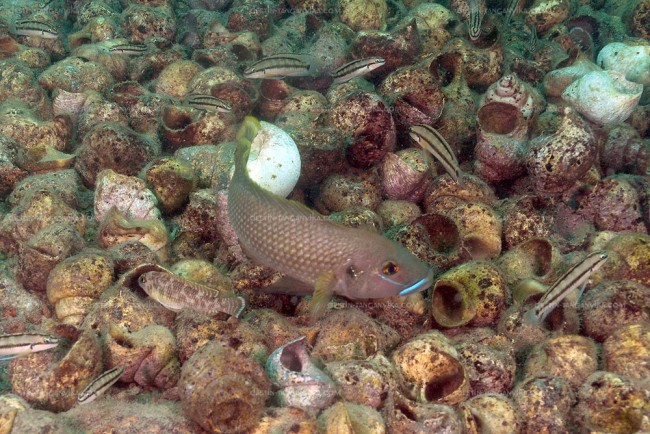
{"points": [[420, 285]]}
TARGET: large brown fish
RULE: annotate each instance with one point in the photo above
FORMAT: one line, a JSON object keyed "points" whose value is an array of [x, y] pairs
{"points": [[317, 254]]}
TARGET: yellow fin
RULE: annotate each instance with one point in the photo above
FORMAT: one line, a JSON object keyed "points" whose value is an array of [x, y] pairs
{"points": [[322, 294]]}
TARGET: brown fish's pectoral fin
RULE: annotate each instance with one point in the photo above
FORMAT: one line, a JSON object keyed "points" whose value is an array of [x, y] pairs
{"points": [[290, 286], [323, 289]]}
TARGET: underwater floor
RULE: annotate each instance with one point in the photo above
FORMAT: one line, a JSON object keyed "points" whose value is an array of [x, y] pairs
{"points": [[324, 216]]}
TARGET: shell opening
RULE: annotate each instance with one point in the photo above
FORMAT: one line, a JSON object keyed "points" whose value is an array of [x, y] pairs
{"points": [[176, 119], [440, 387], [291, 360], [498, 118], [407, 412], [449, 303]]}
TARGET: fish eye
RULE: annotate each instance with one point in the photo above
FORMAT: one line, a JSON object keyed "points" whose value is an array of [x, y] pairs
{"points": [[389, 268]]}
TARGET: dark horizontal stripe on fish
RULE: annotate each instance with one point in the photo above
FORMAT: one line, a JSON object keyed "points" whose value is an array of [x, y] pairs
{"points": [[355, 65]]}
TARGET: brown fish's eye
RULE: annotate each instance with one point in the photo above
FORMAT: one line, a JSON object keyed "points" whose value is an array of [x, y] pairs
{"points": [[390, 268]]}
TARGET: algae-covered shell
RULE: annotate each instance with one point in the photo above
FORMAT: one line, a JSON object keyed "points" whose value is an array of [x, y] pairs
{"points": [[570, 357], [630, 258], [349, 334], [171, 180], [490, 413], [472, 293], [545, 404], [364, 382], [301, 384], [533, 259], [49, 382], [223, 391], [429, 370], [612, 403], [556, 162], [37, 210], [285, 419], [480, 229], [128, 194], [627, 351], [490, 369], [149, 356], [194, 330], [38, 256], [353, 418], [116, 229], [75, 283], [403, 415], [183, 126], [614, 304]]}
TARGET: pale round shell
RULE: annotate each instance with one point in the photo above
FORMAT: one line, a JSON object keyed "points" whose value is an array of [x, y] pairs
{"points": [[274, 161], [603, 96], [633, 61]]}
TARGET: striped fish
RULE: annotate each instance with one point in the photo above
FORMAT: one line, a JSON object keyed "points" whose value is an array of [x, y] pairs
{"points": [[430, 139], [512, 9], [280, 65], [176, 293], [356, 68], [576, 277], [20, 344], [475, 18], [34, 28], [208, 102], [100, 385], [532, 42], [129, 49]]}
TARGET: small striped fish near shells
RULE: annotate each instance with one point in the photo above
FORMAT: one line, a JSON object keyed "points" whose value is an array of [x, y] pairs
{"points": [[208, 102], [20, 344], [431, 140], [100, 385], [34, 28], [129, 49], [356, 68], [281, 65], [176, 293], [576, 277]]}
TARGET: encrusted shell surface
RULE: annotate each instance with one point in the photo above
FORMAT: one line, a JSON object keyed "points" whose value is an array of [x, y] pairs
{"points": [[429, 370], [364, 382], [75, 283], [347, 417], [545, 404], [51, 382], [614, 304], [627, 351], [603, 96], [490, 413], [149, 356], [301, 384], [555, 162], [473, 293], [349, 334], [128, 194], [609, 402], [570, 357], [223, 391]]}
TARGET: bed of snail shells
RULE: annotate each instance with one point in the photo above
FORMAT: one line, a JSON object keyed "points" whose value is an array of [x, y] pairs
{"points": [[537, 189]]}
